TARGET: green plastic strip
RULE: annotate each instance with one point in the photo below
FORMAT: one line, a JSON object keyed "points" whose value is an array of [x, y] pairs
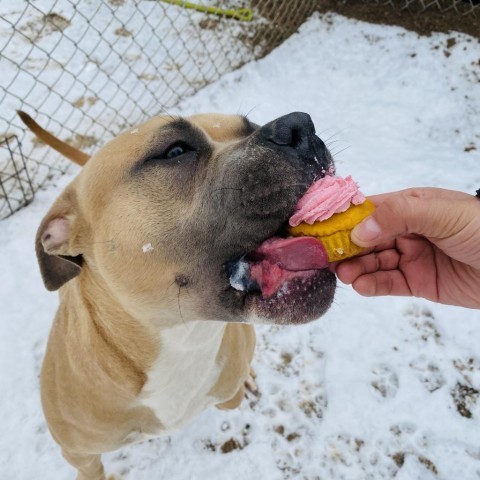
{"points": [[242, 14]]}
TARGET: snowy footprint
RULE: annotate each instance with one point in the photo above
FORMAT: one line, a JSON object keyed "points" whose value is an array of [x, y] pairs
{"points": [[428, 373], [384, 381]]}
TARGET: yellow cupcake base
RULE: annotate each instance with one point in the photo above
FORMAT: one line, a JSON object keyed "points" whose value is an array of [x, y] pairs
{"points": [[334, 233]]}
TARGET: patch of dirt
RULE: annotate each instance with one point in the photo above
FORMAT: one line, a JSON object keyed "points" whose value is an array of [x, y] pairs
{"points": [[150, 77], [451, 42], [415, 17], [209, 23], [465, 398], [82, 101], [313, 408], [285, 365], [37, 142], [238, 442], [467, 367], [132, 58], [210, 446], [46, 25], [423, 320], [293, 436], [280, 429], [231, 445], [399, 459], [429, 464], [470, 148], [430, 331], [172, 66], [82, 141], [122, 32]]}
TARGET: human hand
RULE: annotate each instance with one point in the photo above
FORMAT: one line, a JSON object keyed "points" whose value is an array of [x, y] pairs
{"points": [[423, 242]]}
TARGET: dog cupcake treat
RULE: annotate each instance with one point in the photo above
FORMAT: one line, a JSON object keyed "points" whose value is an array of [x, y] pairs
{"points": [[328, 211]]}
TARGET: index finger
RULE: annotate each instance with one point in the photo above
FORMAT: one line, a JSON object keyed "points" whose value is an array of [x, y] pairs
{"points": [[427, 192]]}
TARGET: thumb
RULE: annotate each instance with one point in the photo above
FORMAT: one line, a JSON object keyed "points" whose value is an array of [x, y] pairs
{"points": [[430, 212], [369, 232]]}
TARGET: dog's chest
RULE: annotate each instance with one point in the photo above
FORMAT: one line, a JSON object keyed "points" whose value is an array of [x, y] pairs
{"points": [[184, 372]]}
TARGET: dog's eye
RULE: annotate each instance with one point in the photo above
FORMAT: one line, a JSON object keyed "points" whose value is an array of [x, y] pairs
{"points": [[177, 149], [175, 154]]}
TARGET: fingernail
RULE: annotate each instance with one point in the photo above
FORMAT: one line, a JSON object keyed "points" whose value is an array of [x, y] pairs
{"points": [[366, 231]]}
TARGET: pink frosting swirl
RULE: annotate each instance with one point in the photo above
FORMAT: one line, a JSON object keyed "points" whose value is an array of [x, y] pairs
{"points": [[326, 197]]}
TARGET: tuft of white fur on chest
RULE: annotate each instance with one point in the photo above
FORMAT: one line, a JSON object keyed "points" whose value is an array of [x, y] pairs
{"points": [[184, 372]]}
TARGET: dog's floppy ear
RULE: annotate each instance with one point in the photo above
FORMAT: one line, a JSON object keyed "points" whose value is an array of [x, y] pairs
{"points": [[58, 254]]}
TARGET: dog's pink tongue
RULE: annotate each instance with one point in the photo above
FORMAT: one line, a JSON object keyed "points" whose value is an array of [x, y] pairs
{"points": [[279, 260]]}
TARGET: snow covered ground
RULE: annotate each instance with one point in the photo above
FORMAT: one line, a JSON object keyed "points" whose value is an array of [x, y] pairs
{"points": [[377, 388]]}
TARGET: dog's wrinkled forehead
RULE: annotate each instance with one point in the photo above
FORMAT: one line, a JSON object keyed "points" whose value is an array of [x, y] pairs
{"points": [[159, 132], [149, 144], [223, 128]]}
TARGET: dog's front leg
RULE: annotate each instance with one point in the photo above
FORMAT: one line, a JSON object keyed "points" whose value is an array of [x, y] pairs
{"points": [[89, 465]]}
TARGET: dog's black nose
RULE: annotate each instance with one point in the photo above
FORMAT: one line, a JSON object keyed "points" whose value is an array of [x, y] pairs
{"points": [[293, 130]]}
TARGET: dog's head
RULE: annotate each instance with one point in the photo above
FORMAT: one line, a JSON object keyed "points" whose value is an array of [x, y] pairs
{"points": [[169, 215]]}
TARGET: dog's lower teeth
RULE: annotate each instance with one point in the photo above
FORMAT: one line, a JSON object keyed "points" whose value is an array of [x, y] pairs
{"points": [[239, 276]]}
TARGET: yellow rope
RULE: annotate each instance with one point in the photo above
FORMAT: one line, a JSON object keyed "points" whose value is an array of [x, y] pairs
{"points": [[242, 14]]}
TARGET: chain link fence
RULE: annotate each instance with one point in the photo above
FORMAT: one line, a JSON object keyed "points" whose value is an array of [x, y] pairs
{"points": [[87, 70]]}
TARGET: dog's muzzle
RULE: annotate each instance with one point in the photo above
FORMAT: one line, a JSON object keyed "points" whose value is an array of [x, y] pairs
{"points": [[283, 279]]}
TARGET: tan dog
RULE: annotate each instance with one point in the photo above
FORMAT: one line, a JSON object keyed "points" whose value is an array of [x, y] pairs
{"points": [[153, 245]]}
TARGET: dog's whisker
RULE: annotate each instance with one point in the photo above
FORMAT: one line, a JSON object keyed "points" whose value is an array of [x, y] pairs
{"points": [[178, 301], [168, 114], [327, 144], [251, 110], [335, 134], [336, 154], [168, 288], [324, 130]]}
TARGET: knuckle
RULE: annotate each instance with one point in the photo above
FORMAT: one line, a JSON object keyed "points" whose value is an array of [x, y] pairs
{"points": [[415, 193], [404, 209]]}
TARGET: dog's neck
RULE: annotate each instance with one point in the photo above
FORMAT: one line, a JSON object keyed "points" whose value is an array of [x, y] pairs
{"points": [[126, 347], [122, 347]]}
